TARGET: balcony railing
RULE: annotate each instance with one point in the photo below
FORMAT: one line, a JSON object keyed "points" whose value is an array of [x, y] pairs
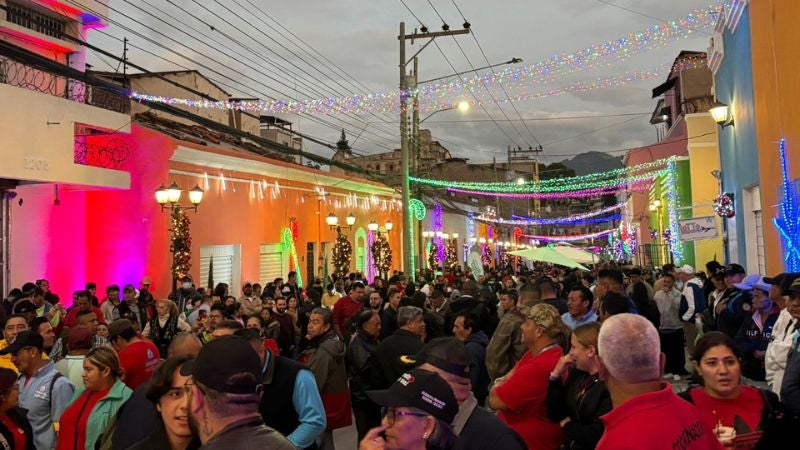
{"points": [[16, 73]]}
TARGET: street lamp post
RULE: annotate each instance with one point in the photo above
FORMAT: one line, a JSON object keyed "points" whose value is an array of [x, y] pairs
{"points": [[170, 197], [408, 221]]}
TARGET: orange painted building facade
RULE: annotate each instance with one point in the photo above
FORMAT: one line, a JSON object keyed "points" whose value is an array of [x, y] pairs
{"points": [[776, 63]]}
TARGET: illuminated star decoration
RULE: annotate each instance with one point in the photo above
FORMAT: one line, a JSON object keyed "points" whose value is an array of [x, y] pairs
{"points": [[788, 223]]}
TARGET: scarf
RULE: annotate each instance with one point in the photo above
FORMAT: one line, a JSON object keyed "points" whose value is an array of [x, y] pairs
{"points": [[162, 336]]}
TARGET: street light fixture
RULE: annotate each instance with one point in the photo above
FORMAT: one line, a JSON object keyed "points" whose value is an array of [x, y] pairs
{"points": [[388, 225], [332, 220], [351, 220], [372, 225], [504, 63], [721, 113]]}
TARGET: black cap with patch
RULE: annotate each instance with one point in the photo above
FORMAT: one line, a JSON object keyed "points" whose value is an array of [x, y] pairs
{"points": [[420, 389], [24, 339], [446, 353], [783, 280], [734, 269]]}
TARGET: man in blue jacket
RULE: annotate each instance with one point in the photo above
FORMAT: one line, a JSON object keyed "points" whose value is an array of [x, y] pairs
{"points": [[43, 391]]}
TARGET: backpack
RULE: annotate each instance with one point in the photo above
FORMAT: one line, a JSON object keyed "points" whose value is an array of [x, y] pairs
{"points": [[700, 301]]}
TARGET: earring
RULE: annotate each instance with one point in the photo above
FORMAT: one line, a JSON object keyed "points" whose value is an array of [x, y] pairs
{"points": [[425, 436]]}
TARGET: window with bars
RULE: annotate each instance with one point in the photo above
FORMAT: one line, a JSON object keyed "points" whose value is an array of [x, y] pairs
{"points": [[761, 251], [35, 20]]}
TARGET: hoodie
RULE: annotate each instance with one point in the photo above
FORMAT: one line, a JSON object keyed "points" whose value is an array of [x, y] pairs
{"points": [[325, 356], [476, 347]]}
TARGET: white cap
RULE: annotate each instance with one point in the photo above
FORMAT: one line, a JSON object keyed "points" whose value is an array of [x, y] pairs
{"points": [[687, 269]]}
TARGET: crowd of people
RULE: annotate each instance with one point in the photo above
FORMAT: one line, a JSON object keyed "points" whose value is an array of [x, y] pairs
{"points": [[619, 357]]}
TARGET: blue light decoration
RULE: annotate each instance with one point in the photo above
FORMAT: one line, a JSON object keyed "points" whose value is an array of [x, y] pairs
{"points": [[673, 202], [788, 223]]}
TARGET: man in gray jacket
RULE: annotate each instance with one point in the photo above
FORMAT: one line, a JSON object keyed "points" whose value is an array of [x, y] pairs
{"points": [[43, 391], [505, 348]]}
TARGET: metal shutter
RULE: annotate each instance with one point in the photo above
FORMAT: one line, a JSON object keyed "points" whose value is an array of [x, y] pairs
{"points": [[223, 264], [270, 263]]}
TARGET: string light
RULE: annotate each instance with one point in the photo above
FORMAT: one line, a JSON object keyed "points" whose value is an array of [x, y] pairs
{"points": [[532, 221], [637, 185], [434, 95], [569, 219], [788, 221], [571, 237], [287, 242], [673, 201], [595, 176]]}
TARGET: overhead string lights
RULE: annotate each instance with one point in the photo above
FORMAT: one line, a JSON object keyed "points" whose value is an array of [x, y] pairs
{"points": [[571, 237], [635, 185], [584, 218], [434, 95], [582, 181]]}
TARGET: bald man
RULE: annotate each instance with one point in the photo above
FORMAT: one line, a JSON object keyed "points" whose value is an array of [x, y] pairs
{"points": [[644, 408]]}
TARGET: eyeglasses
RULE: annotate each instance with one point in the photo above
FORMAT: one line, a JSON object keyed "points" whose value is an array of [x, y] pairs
{"points": [[391, 415]]}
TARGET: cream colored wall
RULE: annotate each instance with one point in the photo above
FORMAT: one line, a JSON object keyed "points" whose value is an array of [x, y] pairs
{"points": [[703, 158], [38, 144], [156, 86]]}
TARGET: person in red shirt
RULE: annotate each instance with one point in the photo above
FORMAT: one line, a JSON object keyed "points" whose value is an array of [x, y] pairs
{"points": [[138, 358], [521, 395], [347, 307], [755, 414], [83, 302], [646, 412]]}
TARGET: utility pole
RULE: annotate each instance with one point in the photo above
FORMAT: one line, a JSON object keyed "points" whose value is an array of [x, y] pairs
{"points": [[408, 221]]}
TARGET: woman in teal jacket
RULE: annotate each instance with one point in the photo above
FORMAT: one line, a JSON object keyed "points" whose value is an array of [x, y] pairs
{"points": [[95, 404]]}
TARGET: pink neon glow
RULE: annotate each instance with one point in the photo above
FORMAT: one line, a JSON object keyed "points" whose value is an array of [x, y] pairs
{"points": [[638, 185]]}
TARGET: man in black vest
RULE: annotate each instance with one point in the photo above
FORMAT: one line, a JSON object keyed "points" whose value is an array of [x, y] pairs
{"points": [[291, 403]]}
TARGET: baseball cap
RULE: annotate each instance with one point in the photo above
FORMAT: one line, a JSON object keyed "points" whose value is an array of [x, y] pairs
{"points": [[221, 360], [794, 288], [734, 269], [545, 315], [25, 306], [118, 327], [79, 338], [783, 280], [687, 269], [146, 281], [24, 339], [762, 285], [446, 353], [420, 389], [748, 283]]}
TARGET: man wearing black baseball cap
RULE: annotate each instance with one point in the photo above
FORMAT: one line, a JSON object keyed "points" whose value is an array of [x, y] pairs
{"points": [[43, 392], [223, 397], [419, 409], [736, 304], [476, 427]]}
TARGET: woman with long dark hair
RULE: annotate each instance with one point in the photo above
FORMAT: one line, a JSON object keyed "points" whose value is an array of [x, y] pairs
{"points": [[164, 326], [741, 415]]}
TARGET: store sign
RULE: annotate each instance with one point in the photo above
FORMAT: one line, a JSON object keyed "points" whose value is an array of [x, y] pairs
{"points": [[698, 228]]}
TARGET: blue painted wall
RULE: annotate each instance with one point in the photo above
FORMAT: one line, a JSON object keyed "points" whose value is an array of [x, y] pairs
{"points": [[737, 144]]}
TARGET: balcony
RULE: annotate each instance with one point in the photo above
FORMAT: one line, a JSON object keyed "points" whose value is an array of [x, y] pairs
{"points": [[21, 75]]}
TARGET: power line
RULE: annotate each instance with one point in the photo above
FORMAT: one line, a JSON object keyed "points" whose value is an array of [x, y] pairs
{"points": [[502, 86], [649, 16], [158, 44], [536, 119], [616, 124]]}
